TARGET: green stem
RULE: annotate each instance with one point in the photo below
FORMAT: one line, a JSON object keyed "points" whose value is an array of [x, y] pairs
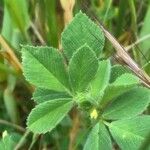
{"points": [[22, 140], [34, 139], [17, 127], [106, 123], [133, 15], [107, 10], [120, 19]]}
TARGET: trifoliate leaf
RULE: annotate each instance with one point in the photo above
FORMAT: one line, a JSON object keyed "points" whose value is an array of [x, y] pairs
{"points": [[82, 68], [128, 105], [80, 31], [130, 133], [98, 138], [45, 116], [44, 67]]}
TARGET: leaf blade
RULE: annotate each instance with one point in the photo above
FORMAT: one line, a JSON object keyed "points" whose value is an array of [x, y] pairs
{"points": [[47, 60], [128, 105], [82, 68], [101, 79], [80, 31], [18, 11], [121, 85], [98, 138], [130, 133], [45, 116], [41, 95]]}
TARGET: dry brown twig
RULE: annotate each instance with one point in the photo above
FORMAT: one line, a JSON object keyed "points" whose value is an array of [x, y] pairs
{"points": [[37, 33], [74, 130], [9, 54], [121, 53]]}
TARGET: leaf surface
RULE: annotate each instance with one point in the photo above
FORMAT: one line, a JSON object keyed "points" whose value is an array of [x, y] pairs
{"points": [[42, 95], [101, 80], [8, 142], [18, 11], [45, 116], [128, 105], [80, 31], [98, 138], [82, 68], [118, 70], [44, 67], [145, 30], [121, 85], [130, 133]]}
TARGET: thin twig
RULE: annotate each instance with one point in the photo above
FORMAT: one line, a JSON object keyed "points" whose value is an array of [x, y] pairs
{"points": [[121, 52], [137, 42], [11, 54], [34, 139], [17, 127], [39, 36]]}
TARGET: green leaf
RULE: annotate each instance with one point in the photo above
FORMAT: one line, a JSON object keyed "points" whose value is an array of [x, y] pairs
{"points": [[53, 25], [44, 67], [10, 103], [45, 116], [147, 68], [80, 31], [130, 133], [7, 29], [42, 95], [129, 104], [8, 142], [145, 30], [101, 79], [18, 11], [121, 85], [118, 70], [98, 138], [82, 68]]}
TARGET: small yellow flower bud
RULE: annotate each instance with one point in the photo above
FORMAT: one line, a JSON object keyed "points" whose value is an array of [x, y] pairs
{"points": [[94, 114]]}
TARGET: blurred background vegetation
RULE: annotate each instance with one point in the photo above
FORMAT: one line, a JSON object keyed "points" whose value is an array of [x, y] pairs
{"points": [[40, 22]]}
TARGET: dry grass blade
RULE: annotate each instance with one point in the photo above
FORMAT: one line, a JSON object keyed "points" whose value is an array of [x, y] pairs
{"points": [[10, 55], [67, 6], [37, 33], [121, 52]]}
